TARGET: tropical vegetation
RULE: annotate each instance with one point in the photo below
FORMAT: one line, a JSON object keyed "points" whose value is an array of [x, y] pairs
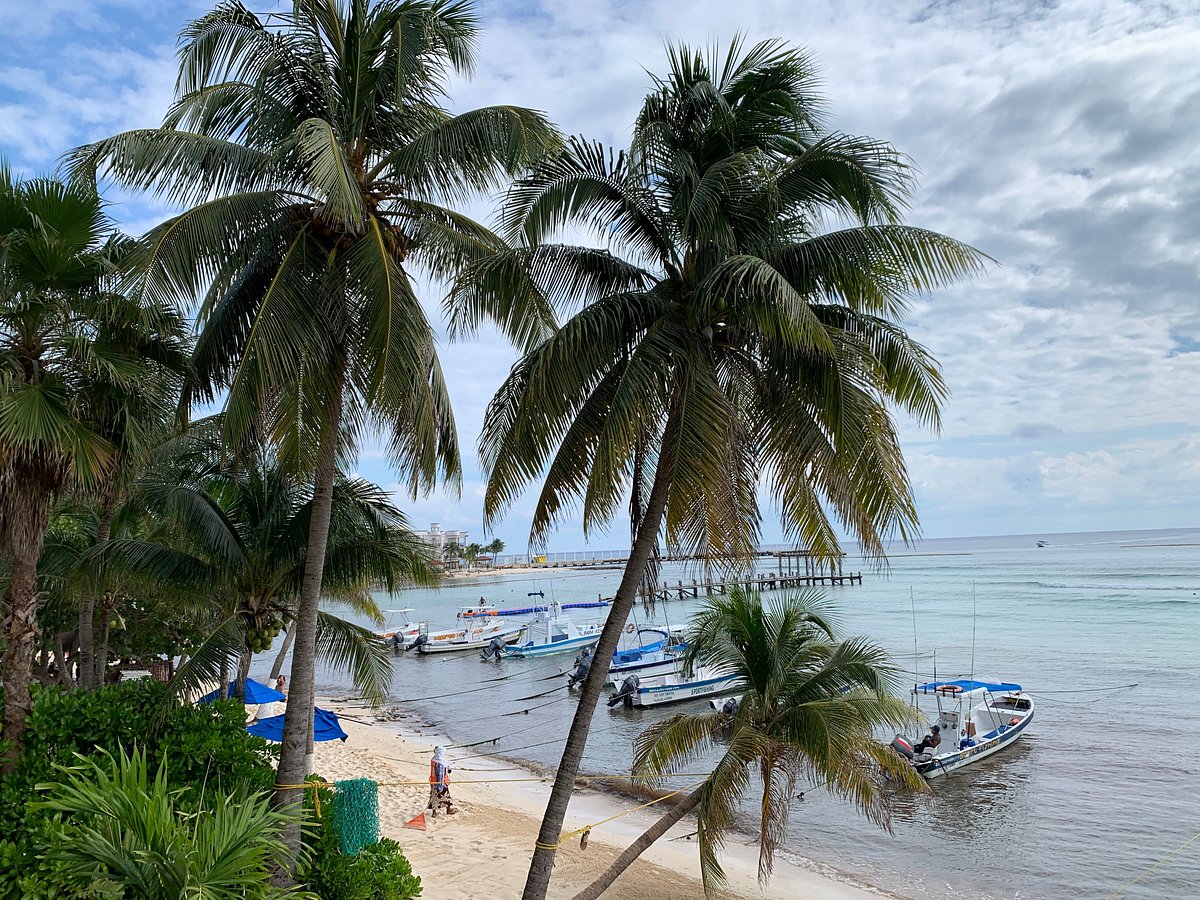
{"points": [[80, 362], [810, 708], [203, 750], [730, 329], [127, 837], [317, 163], [737, 327]]}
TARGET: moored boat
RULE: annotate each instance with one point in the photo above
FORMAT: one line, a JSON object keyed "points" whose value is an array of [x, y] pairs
{"points": [[473, 633], [973, 720], [673, 687], [646, 652], [552, 632], [399, 633]]}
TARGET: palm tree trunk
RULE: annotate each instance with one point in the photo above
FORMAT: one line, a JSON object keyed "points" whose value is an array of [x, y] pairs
{"points": [[26, 531], [299, 710], [288, 637], [107, 605], [87, 610], [542, 864], [243, 673], [638, 847]]}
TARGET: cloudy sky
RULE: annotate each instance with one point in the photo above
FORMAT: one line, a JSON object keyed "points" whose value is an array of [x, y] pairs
{"points": [[1061, 138]]}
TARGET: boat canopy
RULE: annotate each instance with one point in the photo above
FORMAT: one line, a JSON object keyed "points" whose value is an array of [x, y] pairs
{"points": [[965, 686]]}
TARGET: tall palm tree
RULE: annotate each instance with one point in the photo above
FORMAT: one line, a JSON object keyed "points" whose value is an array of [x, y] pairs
{"points": [[232, 540], [71, 352], [738, 325], [317, 160], [810, 708]]}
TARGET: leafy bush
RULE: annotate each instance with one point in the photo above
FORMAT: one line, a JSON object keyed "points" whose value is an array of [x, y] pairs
{"points": [[202, 748], [378, 872], [127, 836]]}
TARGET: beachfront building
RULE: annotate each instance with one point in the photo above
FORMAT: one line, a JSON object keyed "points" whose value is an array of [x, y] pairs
{"points": [[436, 538]]}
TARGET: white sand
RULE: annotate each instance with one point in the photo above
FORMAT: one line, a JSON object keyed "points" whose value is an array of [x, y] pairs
{"points": [[484, 850]]}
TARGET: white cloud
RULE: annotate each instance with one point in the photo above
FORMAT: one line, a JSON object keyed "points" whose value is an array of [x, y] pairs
{"points": [[1059, 138]]}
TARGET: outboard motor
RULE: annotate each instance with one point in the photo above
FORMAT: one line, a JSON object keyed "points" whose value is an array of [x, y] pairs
{"points": [[418, 641], [396, 642], [901, 745], [494, 649], [583, 665], [628, 688], [731, 706]]}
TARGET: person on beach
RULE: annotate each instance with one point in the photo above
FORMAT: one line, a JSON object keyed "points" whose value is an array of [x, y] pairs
{"points": [[439, 783], [930, 741]]}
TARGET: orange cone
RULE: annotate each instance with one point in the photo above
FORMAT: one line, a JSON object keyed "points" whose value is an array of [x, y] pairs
{"points": [[416, 822]]}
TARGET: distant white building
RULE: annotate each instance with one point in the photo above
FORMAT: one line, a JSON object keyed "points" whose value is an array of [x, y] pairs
{"points": [[436, 538]]}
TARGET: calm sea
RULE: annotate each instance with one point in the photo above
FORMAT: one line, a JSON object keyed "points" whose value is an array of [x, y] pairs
{"points": [[1105, 783]]}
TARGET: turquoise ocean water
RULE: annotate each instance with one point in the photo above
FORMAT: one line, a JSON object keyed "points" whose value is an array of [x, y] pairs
{"points": [[1104, 784]]}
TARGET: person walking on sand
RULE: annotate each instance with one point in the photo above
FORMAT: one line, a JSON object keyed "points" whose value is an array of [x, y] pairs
{"points": [[439, 783]]}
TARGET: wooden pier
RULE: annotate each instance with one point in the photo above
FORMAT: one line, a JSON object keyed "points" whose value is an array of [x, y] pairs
{"points": [[793, 569]]}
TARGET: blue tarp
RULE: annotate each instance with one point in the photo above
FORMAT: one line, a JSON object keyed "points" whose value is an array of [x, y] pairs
{"points": [[325, 727], [256, 692], [966, 684]]}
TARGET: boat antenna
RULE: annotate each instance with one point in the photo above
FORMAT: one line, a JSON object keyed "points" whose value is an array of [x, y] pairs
{"points": [[916, 675], [973, 623]]}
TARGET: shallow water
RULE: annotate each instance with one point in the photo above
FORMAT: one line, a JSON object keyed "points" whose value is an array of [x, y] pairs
{"points": [[1102, 786]]}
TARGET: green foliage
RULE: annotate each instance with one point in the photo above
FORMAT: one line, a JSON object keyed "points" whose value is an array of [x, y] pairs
{"points": [[201, 747], [129, 835], [377, 872], [810, 706]]}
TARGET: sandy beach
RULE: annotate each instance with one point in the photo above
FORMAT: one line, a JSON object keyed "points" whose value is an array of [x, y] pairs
{"points": [[484, 849]]}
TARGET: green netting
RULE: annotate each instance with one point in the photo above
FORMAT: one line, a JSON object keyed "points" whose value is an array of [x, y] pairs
{"points": [[356, 814]]}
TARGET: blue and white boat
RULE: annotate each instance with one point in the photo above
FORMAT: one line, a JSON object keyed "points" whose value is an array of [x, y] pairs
{"points": [[673, 687], [645, 652], [552, 631], [974, 719]]}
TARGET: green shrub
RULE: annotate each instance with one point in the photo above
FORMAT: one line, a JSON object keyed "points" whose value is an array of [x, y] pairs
{"points": [[203, 748], [128, 837], [378, 872]]}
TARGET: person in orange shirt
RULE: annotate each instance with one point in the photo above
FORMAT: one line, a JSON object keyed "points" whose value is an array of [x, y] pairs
{"points": [[439, 783]]}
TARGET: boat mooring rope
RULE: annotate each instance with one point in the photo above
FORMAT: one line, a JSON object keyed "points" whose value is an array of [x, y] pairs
{"points": [[1169, 856]]}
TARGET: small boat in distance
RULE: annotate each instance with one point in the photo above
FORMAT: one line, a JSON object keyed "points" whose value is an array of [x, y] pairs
{"points": [[975, 720], [402, 633], [552, 631], [1042, 544], [674, 687], [473, 633]]}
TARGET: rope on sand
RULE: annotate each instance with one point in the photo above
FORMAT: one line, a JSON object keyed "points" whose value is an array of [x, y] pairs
{"points": [[587, 829]]}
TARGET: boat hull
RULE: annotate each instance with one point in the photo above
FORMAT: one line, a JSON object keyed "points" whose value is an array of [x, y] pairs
{"points": [[456, 644], [993, 742], [660, 695], [565, 646]]}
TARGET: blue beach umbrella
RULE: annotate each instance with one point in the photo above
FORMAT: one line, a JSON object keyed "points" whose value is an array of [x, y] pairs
{"points": [[325, 727], [256, 692]]}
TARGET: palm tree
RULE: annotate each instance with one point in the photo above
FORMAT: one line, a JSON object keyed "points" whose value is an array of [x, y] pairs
{"points": [[124, 836], [726, 333], [810, 707], [232, 540], [495, 548], [317, 160], [71, 352]]}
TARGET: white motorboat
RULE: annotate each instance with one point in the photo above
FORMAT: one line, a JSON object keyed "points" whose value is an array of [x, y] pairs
{"points": [[400, 633], [552, 631], [474, 632], [673, 687], [646, 652], [974, 719]]}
